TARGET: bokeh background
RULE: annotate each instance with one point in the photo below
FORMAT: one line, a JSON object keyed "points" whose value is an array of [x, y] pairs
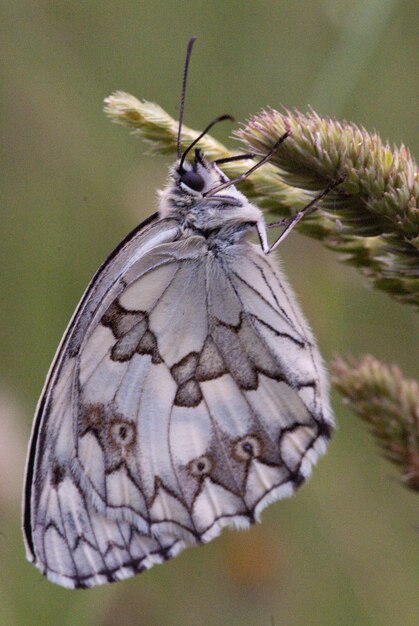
{"points": [[345, 549]]}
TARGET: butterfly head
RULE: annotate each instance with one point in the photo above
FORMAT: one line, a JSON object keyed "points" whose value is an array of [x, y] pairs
{"points": [[198, 177], [202, 198], [194, 184], [193, 178], [192, 195]]}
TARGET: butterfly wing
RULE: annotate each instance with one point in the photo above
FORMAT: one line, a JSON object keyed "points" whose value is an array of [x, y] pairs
{"points": [[191, 398], [64, 536]]}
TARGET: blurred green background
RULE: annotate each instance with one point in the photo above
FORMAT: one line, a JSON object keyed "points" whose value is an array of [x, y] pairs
{"points": [[345, 549]]}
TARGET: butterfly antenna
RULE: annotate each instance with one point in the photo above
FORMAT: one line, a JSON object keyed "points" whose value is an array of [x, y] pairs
{"points": [[221, 118], [243, 176], [182, 108], [183, 92]]}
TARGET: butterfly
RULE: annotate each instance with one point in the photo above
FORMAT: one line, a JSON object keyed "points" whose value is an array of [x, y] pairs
{"points": [[187, 393]]}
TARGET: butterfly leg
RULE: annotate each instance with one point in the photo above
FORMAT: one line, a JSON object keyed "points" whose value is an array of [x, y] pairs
{"points": [[263, 238], [290, 222]]}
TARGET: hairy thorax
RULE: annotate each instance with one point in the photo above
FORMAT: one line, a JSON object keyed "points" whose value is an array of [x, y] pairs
{"points": [[222, 219]]}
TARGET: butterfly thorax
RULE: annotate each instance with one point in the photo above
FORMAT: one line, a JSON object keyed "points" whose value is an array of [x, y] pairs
{"points": [[223, 217]]}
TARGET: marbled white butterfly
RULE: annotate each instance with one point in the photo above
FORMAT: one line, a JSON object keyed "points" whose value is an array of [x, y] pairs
{"points": [[186, 395]]}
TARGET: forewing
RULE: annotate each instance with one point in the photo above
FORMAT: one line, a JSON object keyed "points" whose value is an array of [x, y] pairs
{"points": [[59, 517]]}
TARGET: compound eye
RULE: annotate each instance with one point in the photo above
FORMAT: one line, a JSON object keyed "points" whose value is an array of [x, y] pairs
{"points": [[193, 181]]}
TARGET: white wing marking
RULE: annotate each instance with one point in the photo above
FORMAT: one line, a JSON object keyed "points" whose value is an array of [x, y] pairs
{"points": [[171, 316], [229, 404], [213, 503], [149, 290], [127, 392], [225, 309], [154, 408], [190, 431], [96, 351]]}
